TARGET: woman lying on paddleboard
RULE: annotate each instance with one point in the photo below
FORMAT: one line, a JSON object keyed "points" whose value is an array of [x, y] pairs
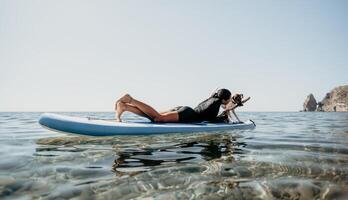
{"points": [[205, 111]]}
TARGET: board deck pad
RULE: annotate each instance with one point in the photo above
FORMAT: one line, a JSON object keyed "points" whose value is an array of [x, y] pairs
{"points": [[98, 127]]}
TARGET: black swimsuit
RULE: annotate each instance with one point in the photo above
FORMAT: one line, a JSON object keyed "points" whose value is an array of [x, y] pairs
{"points": [[186, 114], [205, 111]]}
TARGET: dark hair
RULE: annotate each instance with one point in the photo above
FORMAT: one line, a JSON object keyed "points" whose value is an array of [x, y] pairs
{"points": [[222, 94]]}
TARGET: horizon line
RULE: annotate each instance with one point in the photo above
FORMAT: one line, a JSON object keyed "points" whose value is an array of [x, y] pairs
{"points": [[17, 111]]}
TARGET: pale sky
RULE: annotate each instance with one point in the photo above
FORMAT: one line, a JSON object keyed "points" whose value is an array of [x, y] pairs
{"points": [[70, 55]]}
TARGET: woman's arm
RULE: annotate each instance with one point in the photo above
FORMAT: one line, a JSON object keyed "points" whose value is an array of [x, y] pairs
{"points": [[235, 115], [229, 116], [231, 107]]}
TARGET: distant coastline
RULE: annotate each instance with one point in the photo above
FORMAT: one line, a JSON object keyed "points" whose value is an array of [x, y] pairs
{"points": [[334, 101]]}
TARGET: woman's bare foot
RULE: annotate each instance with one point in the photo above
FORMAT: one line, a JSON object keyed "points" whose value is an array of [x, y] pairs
{"points": [[120, 107], [126, 98], [118, 118]]}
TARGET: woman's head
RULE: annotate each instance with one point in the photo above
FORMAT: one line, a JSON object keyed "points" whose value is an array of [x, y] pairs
{"points": [[224, 95]]}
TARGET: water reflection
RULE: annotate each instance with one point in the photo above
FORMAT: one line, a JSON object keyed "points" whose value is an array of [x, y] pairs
{"points": [[132, 161], [288, 156], [132, 158]]}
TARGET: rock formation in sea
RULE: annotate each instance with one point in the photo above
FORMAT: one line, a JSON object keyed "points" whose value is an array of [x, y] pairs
{"points": [[335, 101], [310, 103]]}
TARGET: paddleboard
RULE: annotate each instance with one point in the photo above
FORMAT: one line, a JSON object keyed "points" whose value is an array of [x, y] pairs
{"points": [[97, 127]]}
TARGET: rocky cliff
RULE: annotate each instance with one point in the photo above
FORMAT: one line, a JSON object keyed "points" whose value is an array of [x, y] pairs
{"points": [[334, 101]]}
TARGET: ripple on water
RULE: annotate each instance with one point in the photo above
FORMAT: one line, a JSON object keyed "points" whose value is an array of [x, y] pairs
{"points": [[288, 156]]}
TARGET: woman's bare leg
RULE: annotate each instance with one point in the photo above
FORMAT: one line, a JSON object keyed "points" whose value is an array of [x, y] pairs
{"points": [[134, 109], [149, 111], [122, 107]]}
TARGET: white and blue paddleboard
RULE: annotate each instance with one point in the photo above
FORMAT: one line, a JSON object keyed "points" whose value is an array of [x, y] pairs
{"points": [[97, 127]]}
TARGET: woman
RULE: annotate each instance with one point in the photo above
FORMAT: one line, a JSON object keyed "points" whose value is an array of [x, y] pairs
{"points": [[206, 111]]}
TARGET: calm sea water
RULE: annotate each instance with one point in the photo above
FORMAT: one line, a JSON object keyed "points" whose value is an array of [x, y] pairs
{"points": [[288, 156]]}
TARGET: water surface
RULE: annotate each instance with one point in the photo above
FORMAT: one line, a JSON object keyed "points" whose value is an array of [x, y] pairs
{"points": [[288, 156]]}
